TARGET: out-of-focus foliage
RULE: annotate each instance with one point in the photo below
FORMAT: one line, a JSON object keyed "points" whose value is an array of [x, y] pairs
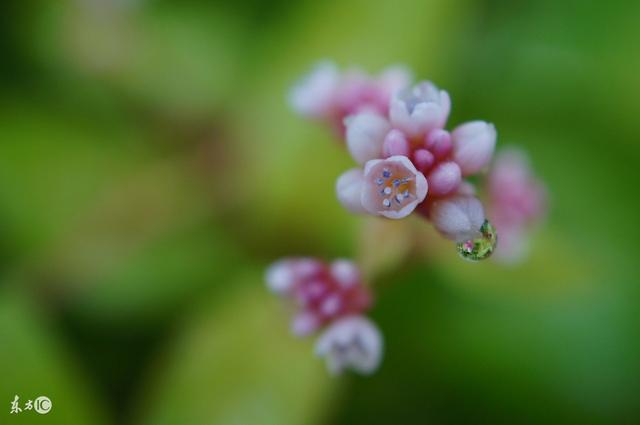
{"points": [[150, 167], [284, 384]]}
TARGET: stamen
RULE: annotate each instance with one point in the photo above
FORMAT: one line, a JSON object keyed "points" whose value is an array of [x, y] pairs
{"points": [[387, 190], [386, 173], [386, 203]]}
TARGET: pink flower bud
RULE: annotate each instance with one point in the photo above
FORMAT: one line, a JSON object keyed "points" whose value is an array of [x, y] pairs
{"points": [[423, 159], [473, 145], [444, 178], [395, 143], [458, 217], [439, 143]]}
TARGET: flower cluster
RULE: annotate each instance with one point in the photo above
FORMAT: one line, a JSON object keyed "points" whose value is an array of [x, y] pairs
{"points": [[331, 296], [408, 160]]}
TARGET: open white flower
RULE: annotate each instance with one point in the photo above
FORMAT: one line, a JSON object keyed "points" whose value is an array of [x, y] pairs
{"points": [[420, 109], [352, 342], [392, 187]]}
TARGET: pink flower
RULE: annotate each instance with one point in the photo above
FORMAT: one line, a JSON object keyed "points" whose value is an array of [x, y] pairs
{"points": [[420, 109], [322, 292], [352, 342], [414, 130], [392, 187], [517, 200]]}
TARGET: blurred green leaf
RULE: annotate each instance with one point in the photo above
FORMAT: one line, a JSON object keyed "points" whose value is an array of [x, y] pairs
{"points": [[236, 363], [34, 362]]}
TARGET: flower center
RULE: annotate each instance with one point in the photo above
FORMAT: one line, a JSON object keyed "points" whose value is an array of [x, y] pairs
{"points": [[393, 189]]}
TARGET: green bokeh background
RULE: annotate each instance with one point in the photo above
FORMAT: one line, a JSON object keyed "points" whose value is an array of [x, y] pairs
{"points": [[150, 169]]}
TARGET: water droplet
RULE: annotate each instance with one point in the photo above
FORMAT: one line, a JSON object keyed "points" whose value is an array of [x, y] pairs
{"points": [[481, 247]]}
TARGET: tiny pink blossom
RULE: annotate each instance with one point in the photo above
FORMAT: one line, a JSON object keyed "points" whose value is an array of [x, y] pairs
{"points": [[420, 109], [392, 187]]}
